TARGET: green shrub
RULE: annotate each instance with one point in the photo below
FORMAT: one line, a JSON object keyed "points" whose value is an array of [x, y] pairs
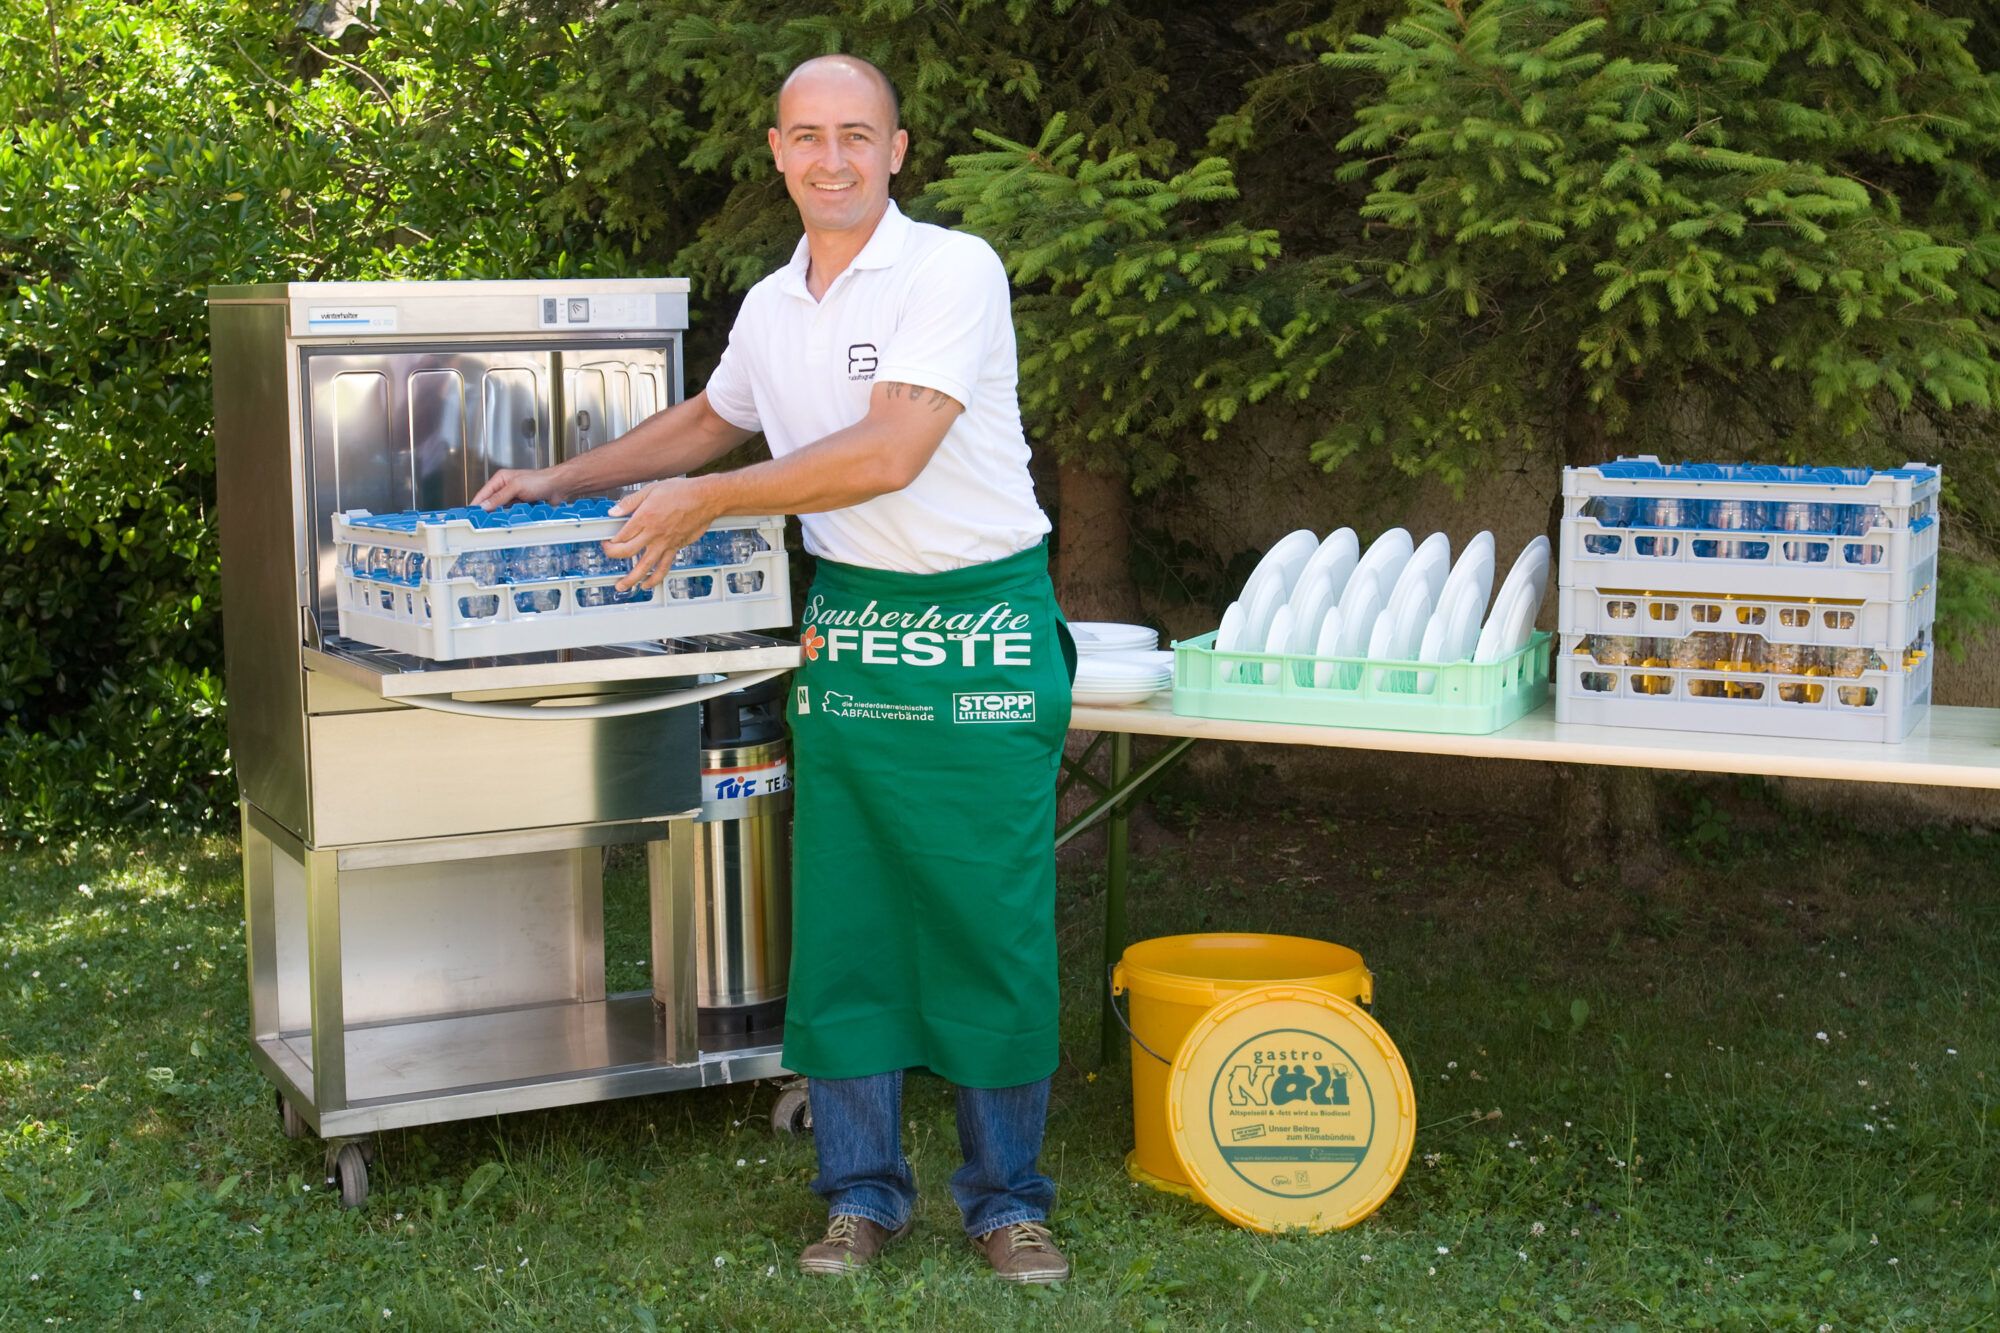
{"points": [[156, 149]]}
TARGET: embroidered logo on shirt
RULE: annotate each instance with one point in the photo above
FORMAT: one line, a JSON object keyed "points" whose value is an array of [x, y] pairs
{"points": [[861, 361]]}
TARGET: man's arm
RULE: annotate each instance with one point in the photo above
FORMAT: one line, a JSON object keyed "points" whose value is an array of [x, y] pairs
{"points": [[666, 444], [879, 454]]}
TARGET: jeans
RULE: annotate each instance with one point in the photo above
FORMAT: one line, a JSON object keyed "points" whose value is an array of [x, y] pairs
{"points": [[858, 1131]]}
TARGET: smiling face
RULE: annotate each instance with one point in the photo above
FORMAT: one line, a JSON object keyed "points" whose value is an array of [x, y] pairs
{"points": [[836, 144]]}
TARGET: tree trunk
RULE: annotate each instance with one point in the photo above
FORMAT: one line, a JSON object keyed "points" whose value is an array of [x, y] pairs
{"points": [[1093, 573], [1604, 816]]}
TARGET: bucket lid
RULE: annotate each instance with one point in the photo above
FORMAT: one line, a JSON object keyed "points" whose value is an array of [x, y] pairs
{"points": [[1289, 1108], [1206, 968]]}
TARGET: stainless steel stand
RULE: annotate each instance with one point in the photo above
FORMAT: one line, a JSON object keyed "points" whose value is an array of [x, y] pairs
{"points": [[436, 979]]}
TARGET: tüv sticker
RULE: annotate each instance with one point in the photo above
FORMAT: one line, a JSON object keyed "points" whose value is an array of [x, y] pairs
{"points": [[998, 706]]}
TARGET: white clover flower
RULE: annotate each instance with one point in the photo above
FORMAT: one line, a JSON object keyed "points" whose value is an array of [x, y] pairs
{"points": [[1523, 1254], [1444, 1249], [721, 1259], [1819, 1036], [1537, 1229], [137, 1295], [1367, 1258]]}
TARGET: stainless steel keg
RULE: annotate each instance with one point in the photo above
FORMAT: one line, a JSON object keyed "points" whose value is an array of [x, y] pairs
{"points": [[743, 864]]}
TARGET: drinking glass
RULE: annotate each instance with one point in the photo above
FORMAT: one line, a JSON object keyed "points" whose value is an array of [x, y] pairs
{"points": [[1615, 649], [1671, 511], [1800, 516]]}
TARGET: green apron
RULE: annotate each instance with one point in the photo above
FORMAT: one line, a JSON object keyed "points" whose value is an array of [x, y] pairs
{"points": [[927, 726]]}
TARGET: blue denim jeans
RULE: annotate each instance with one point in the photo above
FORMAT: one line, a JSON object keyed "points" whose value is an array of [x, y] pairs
{"points": [[858, 1131]]}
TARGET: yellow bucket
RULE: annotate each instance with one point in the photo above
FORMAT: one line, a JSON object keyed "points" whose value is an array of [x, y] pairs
{"points": [[1174, 981]]}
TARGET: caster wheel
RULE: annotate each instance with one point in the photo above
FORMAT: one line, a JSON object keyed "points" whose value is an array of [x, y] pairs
{"points": [[350, 1172], [289, 1120], [792, 1114]]}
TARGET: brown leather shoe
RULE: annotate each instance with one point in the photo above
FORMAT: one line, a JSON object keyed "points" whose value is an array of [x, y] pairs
{"points": [[1023, 1252], [849, 1245]]}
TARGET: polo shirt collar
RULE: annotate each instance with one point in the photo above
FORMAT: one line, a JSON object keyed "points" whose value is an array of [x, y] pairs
{"points": [[883, 249]]}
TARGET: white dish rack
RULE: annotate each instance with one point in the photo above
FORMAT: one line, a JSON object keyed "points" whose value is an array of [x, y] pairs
{"points": [[1803, 620], [1881, 703], [1831, 560], [444, 616]]}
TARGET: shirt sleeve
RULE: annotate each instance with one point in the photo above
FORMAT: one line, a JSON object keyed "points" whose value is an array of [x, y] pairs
{"points": [[728, 387], [956, 307]]}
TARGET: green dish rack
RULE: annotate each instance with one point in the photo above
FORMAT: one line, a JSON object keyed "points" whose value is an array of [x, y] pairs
{"points": [[1470, 698]]}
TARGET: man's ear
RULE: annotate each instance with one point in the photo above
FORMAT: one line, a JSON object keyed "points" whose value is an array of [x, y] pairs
{"points": [[777, 158], [901, 144]]}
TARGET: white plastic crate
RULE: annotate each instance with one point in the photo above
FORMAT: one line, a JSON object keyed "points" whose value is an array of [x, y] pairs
{"points": [[1878, 704], [1869, 537], [1885, 565], [447, 617], [1906, 495], [1779, 619]]}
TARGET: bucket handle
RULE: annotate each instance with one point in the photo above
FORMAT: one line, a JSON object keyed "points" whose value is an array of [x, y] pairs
{"points": [[1111, 982]]}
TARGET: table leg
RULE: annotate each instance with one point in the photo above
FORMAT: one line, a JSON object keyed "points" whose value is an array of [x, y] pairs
{"points": [[1116, 865]]}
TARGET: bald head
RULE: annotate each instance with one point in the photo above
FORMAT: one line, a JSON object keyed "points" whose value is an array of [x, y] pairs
{"points": [[831, 72]]}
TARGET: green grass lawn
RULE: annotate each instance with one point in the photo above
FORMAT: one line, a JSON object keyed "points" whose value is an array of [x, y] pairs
{"points": [[1759, 1095]]}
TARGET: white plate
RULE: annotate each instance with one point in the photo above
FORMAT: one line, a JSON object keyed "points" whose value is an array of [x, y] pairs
{"points": [[1471, 579], [1327, 644], [1114, 698], [1287, 556], [1452, 634], [1157, 659], [1104, 671], [1259, 612], [1336, 558], [1309, 603], [1399, 634], [1511, 624], [1359, 609], [1431, 562], [1530, 567], [1229, 638], [1385, 559], [1278, 639], [1102, 636]]}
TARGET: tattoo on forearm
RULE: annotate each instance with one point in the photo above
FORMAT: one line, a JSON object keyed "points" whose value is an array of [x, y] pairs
{"points": [[918, 394]]}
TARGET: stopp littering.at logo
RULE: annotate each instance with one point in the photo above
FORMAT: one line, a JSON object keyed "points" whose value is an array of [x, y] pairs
{"points": [[994, 706]]}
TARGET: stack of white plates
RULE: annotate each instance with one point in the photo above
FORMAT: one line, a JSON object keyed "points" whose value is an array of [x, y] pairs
{"points": [[1105, 679], [1104, 636]]}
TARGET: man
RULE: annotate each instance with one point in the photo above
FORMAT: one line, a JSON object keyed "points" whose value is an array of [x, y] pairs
{"points": [[929, 714]]}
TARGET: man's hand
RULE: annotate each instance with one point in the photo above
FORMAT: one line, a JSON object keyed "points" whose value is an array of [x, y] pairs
{"points": [[659, 521], [512, 484]]}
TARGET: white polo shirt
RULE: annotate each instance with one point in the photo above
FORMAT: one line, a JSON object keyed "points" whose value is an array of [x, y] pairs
{"points": [[922, 305]]}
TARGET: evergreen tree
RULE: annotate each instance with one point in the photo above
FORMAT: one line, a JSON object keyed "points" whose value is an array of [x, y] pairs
{"points": [[1767, 223]]}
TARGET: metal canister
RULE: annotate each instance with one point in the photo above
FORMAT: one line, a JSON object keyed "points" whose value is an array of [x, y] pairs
{"points": [[743, 864]]}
